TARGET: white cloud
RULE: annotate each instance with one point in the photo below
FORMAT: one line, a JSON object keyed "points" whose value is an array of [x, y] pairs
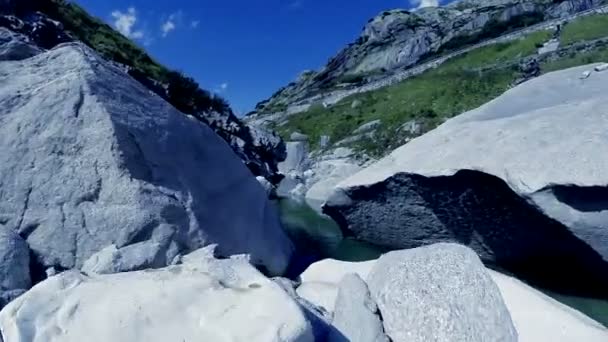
{"points": [[167, 27], [424, 3], [296, 4], [125, 23], [171, 23], [194, 24], [222, 87]]}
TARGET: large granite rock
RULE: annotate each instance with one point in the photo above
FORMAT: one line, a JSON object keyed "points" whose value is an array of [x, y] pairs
{"points": [[439, 293], [90, 158], [519, 180], [202, 299], [398, 39], [356, 316]]}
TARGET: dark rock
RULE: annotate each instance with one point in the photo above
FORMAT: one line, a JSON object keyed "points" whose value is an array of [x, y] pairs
{"points": [[482, 212]]}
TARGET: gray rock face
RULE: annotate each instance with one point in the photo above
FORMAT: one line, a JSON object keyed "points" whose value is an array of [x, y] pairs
{"points": [[14, 46], [297, 158], [14, 261], [356, 315], [90, 158], [399, 39], [439, 293], [509, 179], [370, 126]]}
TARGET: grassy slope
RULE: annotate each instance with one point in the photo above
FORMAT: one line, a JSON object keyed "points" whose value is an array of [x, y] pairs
{"points": [[454, 87], [104, 39], [182, 92], [586, 28]]}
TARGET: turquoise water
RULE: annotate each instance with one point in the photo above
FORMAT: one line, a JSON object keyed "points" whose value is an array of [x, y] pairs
{"points": [[321, 237]]}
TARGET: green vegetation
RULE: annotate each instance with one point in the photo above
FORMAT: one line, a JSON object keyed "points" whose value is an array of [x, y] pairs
{"points": [[597, 55], [456, 86], [101, 37], [585, 28]]}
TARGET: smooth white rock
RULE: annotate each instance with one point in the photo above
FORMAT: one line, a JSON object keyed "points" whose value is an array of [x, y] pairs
{"points": [[525, 137], [328, 173], [602, 67], [537, 317], [203, 299]]}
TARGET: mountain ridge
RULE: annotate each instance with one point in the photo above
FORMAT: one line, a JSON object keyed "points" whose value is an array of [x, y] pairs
{"points": [[399, 39]]}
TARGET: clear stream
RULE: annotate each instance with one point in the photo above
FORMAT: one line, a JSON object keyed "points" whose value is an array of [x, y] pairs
{"points": [[321, 237]]}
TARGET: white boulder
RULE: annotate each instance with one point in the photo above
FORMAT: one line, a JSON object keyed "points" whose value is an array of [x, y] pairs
{"points": [[91, 158], [439, 293], [203, 299], [508, 137], [601, 67], [329, 171], [538, 317]]}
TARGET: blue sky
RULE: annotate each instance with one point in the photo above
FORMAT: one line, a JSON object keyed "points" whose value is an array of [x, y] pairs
{"points": [[244, 50]]}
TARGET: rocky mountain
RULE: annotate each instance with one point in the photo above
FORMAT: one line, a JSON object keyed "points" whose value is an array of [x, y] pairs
{"points": [[519, 180], [398, 39], [47, 23]]}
